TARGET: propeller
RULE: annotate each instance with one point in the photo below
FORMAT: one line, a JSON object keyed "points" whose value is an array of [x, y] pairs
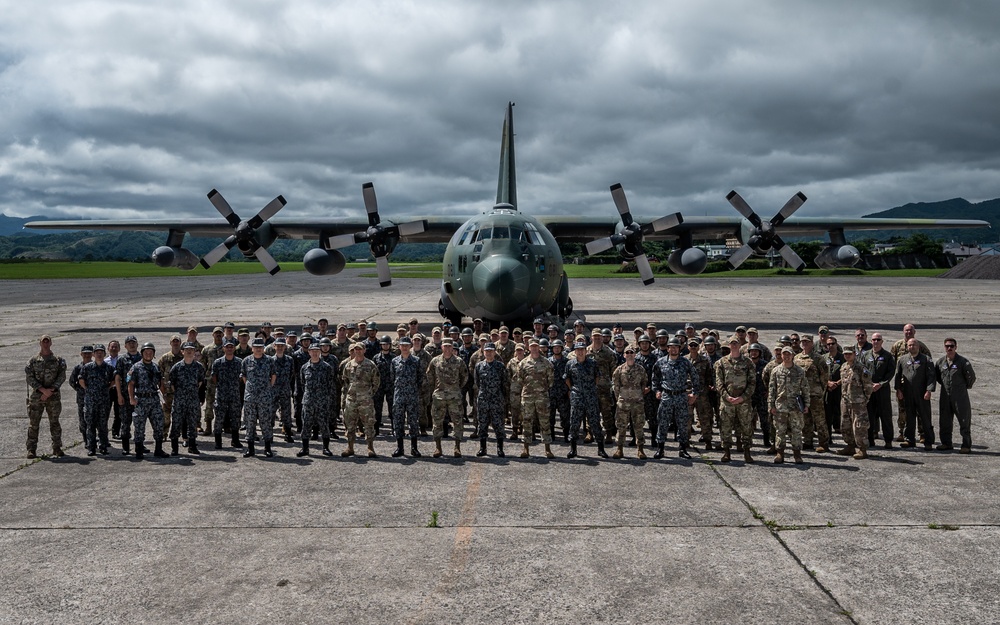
{"points": [[244, 232], [381, 239], [765, 236], [631, 235]]}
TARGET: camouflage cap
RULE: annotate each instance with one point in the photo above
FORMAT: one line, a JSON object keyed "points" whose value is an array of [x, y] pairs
{"points": [[406, 341], [477, 320], [752, 330], [243, 332], [484, 337], [714, 333], [849, 349], [217, 330], [629, 350], [128, 339], [419, 336], [292, 334], [354, 346], [402, 327], [229, 343], [596, 332], [341, 326], [175, 337], [87, 349], [805, 337], [734, 339], [504, 330], [99, 347], [413, 321], [741, 328], [579, 345], [489, 347], [193, 329], [519, 347], [639, 329], [436, 329], [533, 342], [189, 345], [279, 341], [517, 331], [229, 324], [787, 350], [704, 331], [824, 329], [258, 343], [266, 324], [694, 340], [448, 342]]}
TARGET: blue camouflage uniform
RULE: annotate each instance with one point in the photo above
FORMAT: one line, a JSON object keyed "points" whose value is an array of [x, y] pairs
{"points": [[673, 378], [407, 377], [491, 401], [559, 394], [226, 374], [147, 379], [186, 380], [317, 381], [582, 377], [98, 377], [281, 392], [257, 398]]}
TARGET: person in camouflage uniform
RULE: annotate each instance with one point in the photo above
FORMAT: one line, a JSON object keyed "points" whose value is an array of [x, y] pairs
{"points": [[316, 379], [787, 397], [86, 356], [702, 407], [735, 379], [166, 363], [630, 385], [447, 375], [125, 362], [406, 373], [301, 356], [336, 397], [514, 399], [606, 361], [258, 376], [209, 354], [422, 354], [673, 376], [44, 374], [832, 395], [384, 393], [817, 375], [185, 380], [360, 379], [285, 372], [535, 377], [226, 377], [581, 379], [855, 389], [145, 382], [645, 356], [759, 399], [96, 379], [491, 379], [558, 393]]}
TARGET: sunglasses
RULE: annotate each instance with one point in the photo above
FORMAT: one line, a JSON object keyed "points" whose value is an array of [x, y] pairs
{"points": [[877, 340], [948, 346]]}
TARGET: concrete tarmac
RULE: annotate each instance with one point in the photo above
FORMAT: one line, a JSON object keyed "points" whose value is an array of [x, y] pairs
{"points": [[908, 536]]}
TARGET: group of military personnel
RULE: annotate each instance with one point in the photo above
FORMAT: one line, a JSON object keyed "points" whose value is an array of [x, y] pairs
{"points": [[609, 385]]}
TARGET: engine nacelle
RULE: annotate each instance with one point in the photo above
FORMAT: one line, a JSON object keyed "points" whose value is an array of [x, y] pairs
{"points": [[688, 261], [179, 257], [838, 256], [320, 262]]}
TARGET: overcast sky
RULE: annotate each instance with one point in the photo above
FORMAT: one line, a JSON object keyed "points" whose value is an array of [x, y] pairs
{"points": [[137, 109]]}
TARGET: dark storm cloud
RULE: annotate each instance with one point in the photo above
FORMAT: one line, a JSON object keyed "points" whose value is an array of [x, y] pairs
{"points": [[117, 109]]}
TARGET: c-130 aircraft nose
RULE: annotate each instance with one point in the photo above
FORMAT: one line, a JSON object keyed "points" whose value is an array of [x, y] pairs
{"points": [[502, 284]]}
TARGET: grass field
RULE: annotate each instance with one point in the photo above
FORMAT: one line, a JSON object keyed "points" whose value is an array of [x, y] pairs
{"points": [[70, 270]]}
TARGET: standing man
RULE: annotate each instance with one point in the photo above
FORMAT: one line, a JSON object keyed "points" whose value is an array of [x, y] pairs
{"points": [[145, 382], [258, 376], [86, 356], [125, 363], [360, 379], [606, 361], [535, 376], [384, 393], [44, 374], [956, 376], [817, 375], [581, 378], [96, 379], [856, 388], [226, 377], [447, 375], [209, 355], [406, 374], [882, 367], [787, 399], [185, 380], [491, 379], [676, 384], [702, 406], [514, 399], [900, 350], [915, 381], [558, 393], [420, 353], [166, 363], [735, 379], [630, 385], [285, 373], [316, 379], [759, 399], [832, 396], [112, 360]]}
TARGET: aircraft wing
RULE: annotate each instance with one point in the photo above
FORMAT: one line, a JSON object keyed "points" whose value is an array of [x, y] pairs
{"points": [[436, 229]]}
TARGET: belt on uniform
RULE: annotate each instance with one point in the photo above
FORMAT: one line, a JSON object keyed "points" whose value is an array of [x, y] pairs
{"points": [[674, 392], [146, 394]]}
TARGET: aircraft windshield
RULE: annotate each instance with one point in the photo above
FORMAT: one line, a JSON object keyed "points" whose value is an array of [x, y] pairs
{"points": [[501, 232]]}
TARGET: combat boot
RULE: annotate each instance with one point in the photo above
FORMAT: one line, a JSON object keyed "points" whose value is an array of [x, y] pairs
{"points": [[739, 444], [797, 455], [371, 448], [326, 446], [659, 451], [139, 450], [350, 446], [609, 438], [548, 451], [683, 453], [437, 448], [193, 446], [779, 457], [218, 441], [640, 454], [619, 452], [746, 455], [600, 448], [399, 447], [305, 447], [524, 453], [862, 454], [772, 449], [413, 447], [847, 451], [572, 449], [174, 447], [236, 441], [482, 447], [725, 452], [288, 434], [31, 454], [124, 448], [267, 449], [458, 449], [500, 453], [250, 450]]}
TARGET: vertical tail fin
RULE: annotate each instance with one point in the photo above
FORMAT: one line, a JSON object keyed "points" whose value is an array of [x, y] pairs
{"points": [[506, 184]]}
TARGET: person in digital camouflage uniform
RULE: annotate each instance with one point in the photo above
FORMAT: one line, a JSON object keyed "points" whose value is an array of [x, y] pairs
{"points": [[558, 393], [145, 382], [407, 381], [581, 378], [421, 353], [384, 393], [360, 379], [759, 399], [209, 354], [125, 362], [185, 380], [226, 377], [855, 389], [630, 385], [316, 379], [96, 379], [491, 379], [447, 375], [787, 396], [285, 372], [735, 379], [675, 382]]}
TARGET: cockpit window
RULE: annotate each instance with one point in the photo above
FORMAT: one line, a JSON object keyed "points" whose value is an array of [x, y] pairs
{"points": [[485, 234], [531, 234], [465, 238], [501, 232]]}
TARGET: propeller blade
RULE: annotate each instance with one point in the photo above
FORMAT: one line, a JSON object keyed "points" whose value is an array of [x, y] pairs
{"points": [[411, 228], [223, 207], [621, 203], [666, 222], [267, 260], [219, 252], [599, 245], [743, 208], [267, 212], [739, 256], [384, 277], [790, 207], [339, 241], [645, 271], [789, 255], [371, 203]]}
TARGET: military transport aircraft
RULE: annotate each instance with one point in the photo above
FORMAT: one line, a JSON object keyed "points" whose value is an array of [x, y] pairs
{"points": [[504, 265]]}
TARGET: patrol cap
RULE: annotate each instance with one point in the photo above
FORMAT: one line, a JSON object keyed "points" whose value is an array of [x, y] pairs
{"points": [[467, 332], [148, 345], [350, 326], [533, 342], [519, 347], [785, 339], [229, 324], [385, 340], [416, 337], [354, 346], [128, 339], [504, 330], [734, 339], [87, 349], [341, 326], [326, 341], [596, 332], [645, 338], [704, 331], [538, 320], [824, 329], [193, 329], [406, 340], [711, 340], [217, 330], [741, 328], [579, 345], [517, 331], [714, 333], [447, 342], [229, 343], [292, 333], [756, 346], [243, 331], [257, 343], [477, 320], [787, 350], [278, 329], [639, 329], [849, 349], [689, 325], [650, 325], [629, 350], [489, 347], [674, 341], [806, 337], [413, 321], [189, 345], [557, 343], [753, 330], [694, 340], [437, 330], [313, 346], [484, 337], [280, 341], [176, 337], [402, 327]]}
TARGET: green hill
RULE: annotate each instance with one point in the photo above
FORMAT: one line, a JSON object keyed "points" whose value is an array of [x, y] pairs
{"points": [[957, 208]]}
